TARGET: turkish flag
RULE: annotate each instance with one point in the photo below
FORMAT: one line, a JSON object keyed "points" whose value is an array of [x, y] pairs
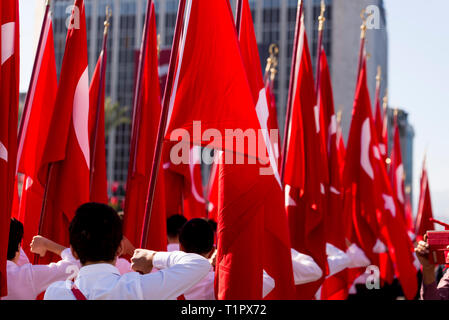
{"points": [[423, 223], [99, 183], [377, 223], [35, 131], [334, 287], [397, 178], [306, 208], [141, 159], [9, 104], [276, 246], [211, 87], [67, 149]]}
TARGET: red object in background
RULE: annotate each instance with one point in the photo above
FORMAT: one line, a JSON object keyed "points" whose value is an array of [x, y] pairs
{"points": [[438, 242], [98, 176], [145, 122], [423, 221], [306, 208]]}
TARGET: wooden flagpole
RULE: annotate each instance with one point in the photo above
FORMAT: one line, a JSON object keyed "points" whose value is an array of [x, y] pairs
{"points": [[103, 65], [162, 122], [291, 87]]}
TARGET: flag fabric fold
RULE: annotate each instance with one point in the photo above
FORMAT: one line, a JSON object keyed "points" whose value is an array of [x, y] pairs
{"points": [[9, 105], [66, 156], [139, 170], [36, 124]]}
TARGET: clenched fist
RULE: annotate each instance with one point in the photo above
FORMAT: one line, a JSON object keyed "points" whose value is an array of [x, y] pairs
{"points": [[142, 261]]}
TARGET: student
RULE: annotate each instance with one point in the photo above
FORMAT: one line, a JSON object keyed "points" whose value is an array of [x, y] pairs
{"points": [[197, 236], [174, 225], [96, 239], [27, 281]]}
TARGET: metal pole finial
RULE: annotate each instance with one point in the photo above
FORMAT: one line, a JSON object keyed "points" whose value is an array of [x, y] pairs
{"points": [[107, 19], [321, 18], [363, 27]]}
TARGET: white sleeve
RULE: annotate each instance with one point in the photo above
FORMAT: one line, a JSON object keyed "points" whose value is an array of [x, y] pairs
{"points": [[23, 259], [357, 257], [44, 275], [268, 284], [305, 269], [178, 272], [123, 265], [337, 259]]}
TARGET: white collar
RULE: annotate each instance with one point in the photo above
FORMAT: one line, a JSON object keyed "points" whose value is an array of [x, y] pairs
{"points": [[98, 268]]}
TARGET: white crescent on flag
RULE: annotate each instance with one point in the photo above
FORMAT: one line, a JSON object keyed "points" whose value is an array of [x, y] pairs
{"points": [[8, 36], [389, 204], [3, 152], [365, 149], [81, 115], [194, 160], [399, 177], [263, 115], [289, 202]]}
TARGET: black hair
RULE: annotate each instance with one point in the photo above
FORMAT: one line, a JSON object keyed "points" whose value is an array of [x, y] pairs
{"points": [[197, 236], [212, 224], [95, 232], [15, 238], [174, 225]]}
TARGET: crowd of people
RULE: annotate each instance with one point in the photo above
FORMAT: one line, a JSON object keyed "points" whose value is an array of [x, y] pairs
{"points": [[94, 267]]}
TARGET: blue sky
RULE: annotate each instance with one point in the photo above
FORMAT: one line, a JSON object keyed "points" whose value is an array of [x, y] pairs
{"points": [[418, 81]]}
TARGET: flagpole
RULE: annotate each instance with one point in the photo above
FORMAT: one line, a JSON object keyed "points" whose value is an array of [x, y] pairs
{"points": [[378, 82], [27, 107], [103, 64], [271, 68], [291, 87], [136, 101], [321, 20], [362, 42], [238, 16], [162, 123]]}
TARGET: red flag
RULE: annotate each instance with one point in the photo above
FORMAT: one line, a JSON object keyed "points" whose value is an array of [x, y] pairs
{"points": [[35, 129], [422, 223], [397, 177], [306, 209], [276, 250], [184, 185], [9, 103], [375, 216], [211, 86], [99, 183], [67, 150], [139, 170], [334, 287], [379, 118]]}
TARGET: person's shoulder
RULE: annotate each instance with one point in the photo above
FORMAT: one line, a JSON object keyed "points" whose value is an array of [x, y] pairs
{"points": [[59, 290]]}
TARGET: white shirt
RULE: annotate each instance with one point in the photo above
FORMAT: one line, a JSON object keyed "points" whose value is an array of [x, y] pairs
{"points": [[179, 271], [203, 290], [173, 247], [26, 282]]}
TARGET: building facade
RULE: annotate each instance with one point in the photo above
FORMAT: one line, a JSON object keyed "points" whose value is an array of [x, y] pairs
{"points": [[274, 22]]}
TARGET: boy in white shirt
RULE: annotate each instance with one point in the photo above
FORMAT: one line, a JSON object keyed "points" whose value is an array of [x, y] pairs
{"points": [[27, 281], [96, 240], [174, 226]]}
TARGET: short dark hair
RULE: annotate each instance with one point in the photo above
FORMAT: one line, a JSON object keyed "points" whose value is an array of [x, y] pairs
{"points": [[174, 225], [15, 238], [95, 232], [197, 236]]}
